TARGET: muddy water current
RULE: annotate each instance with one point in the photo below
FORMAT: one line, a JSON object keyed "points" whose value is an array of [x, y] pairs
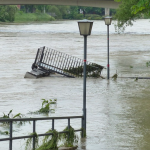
{"points": [[118, 112]]}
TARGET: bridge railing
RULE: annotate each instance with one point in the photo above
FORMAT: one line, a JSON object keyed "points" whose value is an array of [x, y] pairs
{"points": [[10, 121]]}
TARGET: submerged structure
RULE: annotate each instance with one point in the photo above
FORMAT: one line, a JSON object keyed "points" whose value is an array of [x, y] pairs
{"points": [[49, 61]]}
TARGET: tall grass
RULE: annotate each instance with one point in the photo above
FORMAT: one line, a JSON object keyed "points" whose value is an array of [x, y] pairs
{"points": [[32, 17]]}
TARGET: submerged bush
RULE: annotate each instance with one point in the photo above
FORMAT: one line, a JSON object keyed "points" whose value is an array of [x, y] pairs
{"points": [[50, 141], [70, 139], [92, 70], [7, 116]]}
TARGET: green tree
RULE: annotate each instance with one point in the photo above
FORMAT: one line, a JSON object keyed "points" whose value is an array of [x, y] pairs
{"points": [[142, 6], [55, 10], [3, 13], [40, 8], [125, 13], [29, 8], [73, 12], [7, 13]]}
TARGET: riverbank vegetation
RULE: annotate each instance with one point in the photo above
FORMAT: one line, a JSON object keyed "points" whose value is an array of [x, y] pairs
{"points": [[32, 13], [7, 13], [32, 17]]}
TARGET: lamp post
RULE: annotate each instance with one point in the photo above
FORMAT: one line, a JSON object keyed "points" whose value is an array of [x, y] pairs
{"points": [[85, 28], [108, 20]]}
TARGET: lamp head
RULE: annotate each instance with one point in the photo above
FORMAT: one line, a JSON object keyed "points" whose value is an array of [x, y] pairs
{"points": [[85, 27], [108, 20]]}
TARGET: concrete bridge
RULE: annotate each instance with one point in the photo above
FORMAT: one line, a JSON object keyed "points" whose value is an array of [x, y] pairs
{"points": [[90, 3]]}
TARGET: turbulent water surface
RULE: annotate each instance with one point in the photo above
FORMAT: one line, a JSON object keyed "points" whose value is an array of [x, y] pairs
{"points": [[117, 111]]}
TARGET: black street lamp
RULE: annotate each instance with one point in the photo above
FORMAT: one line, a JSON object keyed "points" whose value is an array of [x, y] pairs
{"points": [[108, 20], [85, 28]]}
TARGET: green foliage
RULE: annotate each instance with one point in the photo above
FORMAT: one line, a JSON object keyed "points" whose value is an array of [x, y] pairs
{"points": [[148, 63], [27, 17], [66, 12], [141, 6], [129, 10], [6, 116], [46, 105], [73, 13], [93, 17], [19, 115], [131, 66], [124, 15], [50, 141], [29, 141], [4, 133], [83, 132], [136, 79], [40, 8], [115, 76], [7, 13], [92, 70], [55, 10], [3, 13], [70, 139], [11, 10], [30, 13]]}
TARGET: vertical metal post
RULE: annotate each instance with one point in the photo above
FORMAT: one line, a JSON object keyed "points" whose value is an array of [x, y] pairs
{"points": [[82, 126], [68, 128], [10, 141], [36, 56], [52, 124], [34, 130], [84, 83], [108, 52], [42, 55]]}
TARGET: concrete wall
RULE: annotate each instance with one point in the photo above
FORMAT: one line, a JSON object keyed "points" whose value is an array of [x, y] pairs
{"points": [[91, 3]]}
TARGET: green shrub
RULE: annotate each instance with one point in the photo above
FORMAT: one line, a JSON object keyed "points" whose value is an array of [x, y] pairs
{"points": [[72, 140], [98, 18], [93, 17], [79, 16], [28, 17], [50, 141], [7, 13]]}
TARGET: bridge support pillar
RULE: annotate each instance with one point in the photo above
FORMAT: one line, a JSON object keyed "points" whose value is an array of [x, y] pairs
{"points": [[107, 11]]}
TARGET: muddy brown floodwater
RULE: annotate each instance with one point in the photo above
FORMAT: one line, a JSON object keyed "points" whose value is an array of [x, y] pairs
{"points": [[118, 112]]}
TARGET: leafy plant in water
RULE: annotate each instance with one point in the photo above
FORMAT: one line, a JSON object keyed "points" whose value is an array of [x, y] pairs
{"points": [[115, 76], [6, 116], [46, 105], [19, 115], [69, 138], [50, 141], [29, 141], [4, 132], [148, 63], [92, 70], [83, 132]]}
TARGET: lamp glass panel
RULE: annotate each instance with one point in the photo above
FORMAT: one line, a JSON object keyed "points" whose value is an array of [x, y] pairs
{"points": [[85, 28], [108, 21]]}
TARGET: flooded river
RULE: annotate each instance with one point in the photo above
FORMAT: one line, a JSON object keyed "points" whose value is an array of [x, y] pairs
{"points": [[118, 112]]}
